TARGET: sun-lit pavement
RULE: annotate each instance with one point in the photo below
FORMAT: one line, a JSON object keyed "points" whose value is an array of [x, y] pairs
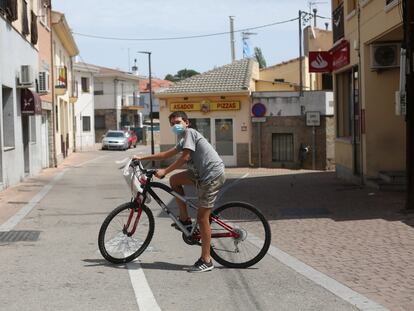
{"points": [[355, 235]]}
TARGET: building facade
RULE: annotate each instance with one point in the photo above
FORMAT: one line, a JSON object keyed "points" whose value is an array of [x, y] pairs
{"points": [[84, 106], [44, 82], [366, 54], [283, 137], [144, 95], [116, 100], [218, 105], [20, 109], [63, 49]]}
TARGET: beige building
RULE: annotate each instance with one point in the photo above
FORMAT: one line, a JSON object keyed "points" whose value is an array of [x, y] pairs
{"points": [[65, 92], [218, 104], [366, 54]]}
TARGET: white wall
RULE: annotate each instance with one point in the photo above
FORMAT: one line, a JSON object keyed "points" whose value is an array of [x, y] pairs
{"points": [[291, 104], [15, 52], [84, 107]]}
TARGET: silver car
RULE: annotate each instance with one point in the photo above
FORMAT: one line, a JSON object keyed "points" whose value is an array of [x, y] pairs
{"points": [[115, 140]]}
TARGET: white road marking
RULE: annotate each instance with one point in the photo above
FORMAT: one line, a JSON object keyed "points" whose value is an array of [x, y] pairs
{"points": [[16, 218], [143, 294], [361, 302]]}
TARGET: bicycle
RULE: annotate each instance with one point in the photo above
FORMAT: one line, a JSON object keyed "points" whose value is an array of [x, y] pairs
{"points": [[128, 229]]}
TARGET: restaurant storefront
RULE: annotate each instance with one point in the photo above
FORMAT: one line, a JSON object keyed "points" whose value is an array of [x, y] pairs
{"points": [[218, 105]]}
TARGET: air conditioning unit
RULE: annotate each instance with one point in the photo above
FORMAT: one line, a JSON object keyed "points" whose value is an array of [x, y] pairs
{"points": [[26, 75], [385, 55], [43, 82]]}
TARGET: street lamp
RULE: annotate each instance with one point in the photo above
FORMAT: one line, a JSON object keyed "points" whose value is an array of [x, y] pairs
{"points": [[150, 93]]}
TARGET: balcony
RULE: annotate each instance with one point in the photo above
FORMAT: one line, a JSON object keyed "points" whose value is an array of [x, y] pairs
{"points": [[338, 23], [61, 84], [74, 92]]}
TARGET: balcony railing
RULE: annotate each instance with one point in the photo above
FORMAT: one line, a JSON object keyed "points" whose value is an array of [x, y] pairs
{"points": [[338, 22], [61, 77]]}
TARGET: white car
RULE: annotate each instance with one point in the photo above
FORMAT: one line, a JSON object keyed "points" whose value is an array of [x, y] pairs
{"points": [[115, 140]]}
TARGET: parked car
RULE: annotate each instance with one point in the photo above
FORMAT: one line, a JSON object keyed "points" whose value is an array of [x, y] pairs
{"points": [[115, 140], [132, 139]]}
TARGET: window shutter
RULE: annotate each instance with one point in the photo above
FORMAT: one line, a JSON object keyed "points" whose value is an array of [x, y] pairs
{"points": [[25, 20], [43, 82], [34, 35]]}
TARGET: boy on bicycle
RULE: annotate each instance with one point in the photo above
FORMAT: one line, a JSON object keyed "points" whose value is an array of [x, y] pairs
{"points": [[205, 171]]}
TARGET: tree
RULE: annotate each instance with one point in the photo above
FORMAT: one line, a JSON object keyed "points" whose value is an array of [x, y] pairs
{"points": [[259, 57], [181, 75]]}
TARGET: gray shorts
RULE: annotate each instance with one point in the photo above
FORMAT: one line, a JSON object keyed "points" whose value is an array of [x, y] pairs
{"points": [[207, 191]]}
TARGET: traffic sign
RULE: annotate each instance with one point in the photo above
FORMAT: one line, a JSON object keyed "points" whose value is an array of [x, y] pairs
{"points": [[258, 110], [258, 119], [313, 118]]}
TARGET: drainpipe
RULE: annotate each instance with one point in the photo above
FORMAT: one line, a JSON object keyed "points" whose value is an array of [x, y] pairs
{"points": [[115, 103], [361, 158], [52, 76]]}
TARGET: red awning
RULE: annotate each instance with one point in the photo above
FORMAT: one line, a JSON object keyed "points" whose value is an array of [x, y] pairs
{"points": [[30, 102]]}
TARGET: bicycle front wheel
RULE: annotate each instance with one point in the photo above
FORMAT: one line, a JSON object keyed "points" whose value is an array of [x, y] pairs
{"points": [[253, 239], [118, 241]]}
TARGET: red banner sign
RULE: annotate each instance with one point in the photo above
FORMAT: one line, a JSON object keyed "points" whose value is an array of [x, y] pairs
{"points": [[30, 102], [340, 55], [320, 62]]}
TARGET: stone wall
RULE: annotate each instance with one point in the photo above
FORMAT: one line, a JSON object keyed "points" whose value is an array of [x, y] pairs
{"points": [[302, 134]]}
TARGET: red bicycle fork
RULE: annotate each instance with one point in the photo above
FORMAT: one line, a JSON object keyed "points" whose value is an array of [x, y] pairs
{"points": [[130, 217]]}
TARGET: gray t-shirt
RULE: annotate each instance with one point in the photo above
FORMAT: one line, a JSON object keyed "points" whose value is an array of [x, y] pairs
{"points": [[205, 161]]}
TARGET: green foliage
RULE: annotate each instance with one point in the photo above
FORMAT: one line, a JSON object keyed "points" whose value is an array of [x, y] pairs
{"points": [[259, 57], [181, 75]]}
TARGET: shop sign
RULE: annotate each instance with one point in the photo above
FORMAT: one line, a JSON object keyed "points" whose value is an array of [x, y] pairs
{"points": [[320, 61], [205, 106], [340, 55], [30, 102]]}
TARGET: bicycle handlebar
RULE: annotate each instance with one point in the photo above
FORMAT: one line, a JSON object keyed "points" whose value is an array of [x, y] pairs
{"points": [[148, 172]]}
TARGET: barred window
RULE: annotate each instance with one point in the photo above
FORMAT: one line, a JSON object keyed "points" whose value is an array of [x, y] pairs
{"points": [[282, 147]]}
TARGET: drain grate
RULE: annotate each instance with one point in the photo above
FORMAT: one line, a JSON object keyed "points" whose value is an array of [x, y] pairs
{"points": [[19, 236]]}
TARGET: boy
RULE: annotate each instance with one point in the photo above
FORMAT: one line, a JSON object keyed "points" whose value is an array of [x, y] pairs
{"points": [[205, 171]]}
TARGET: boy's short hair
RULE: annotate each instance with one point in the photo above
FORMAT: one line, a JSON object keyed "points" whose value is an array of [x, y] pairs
{"points": [[178, 114]]}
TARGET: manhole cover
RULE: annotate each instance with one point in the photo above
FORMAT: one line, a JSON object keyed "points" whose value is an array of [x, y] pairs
{"points": [[19, 236], [304, 211]]}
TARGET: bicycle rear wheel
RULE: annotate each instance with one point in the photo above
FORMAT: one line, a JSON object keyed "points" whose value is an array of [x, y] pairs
{"points": [[253, 230], [115, 241]]}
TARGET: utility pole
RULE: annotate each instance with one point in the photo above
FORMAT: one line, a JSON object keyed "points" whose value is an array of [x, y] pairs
{"points": [[232, 41], [408, 16]]}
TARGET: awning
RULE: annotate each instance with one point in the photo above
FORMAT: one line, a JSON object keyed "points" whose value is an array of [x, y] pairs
{"points": [[30, 102]]}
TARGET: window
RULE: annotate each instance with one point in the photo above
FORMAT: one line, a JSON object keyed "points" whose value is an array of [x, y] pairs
{"points": [[344, 104], [98, 88], [351, 6], [8, 117], [100, 122], [86, 124], [85, 84], [44, 12], [32, 135], [25, 19], [203, 126], [282, 147]]}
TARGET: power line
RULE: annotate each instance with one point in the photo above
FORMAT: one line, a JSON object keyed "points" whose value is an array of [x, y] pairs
{"points": [[183, 37]]}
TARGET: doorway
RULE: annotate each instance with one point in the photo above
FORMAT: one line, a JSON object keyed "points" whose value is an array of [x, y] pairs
{"points": [[220, 134], [25, 136]]}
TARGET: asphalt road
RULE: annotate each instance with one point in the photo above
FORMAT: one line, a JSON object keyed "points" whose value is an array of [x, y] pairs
{"points": [[63, 269]]}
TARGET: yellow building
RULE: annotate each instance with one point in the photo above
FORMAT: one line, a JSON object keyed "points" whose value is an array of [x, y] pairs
{"points": [[218, 105], [64, 49], [370, 134]]}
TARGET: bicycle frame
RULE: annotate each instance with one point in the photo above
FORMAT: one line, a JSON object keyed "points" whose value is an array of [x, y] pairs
{"points": [[148, 188]]}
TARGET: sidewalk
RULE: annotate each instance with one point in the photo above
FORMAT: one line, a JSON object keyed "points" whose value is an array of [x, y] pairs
{"points": [[12, 199], [355, 235]]}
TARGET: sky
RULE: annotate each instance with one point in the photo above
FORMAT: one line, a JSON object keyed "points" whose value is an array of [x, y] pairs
{"points": [[177, 18]]}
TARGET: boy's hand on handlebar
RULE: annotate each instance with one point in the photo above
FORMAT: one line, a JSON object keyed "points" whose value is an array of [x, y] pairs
{"points": [[160, 173], [136, 157]]}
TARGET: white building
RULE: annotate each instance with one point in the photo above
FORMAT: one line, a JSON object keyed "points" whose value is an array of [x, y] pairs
{"points": [[20, 108], [84, 106], [116, 100]]}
